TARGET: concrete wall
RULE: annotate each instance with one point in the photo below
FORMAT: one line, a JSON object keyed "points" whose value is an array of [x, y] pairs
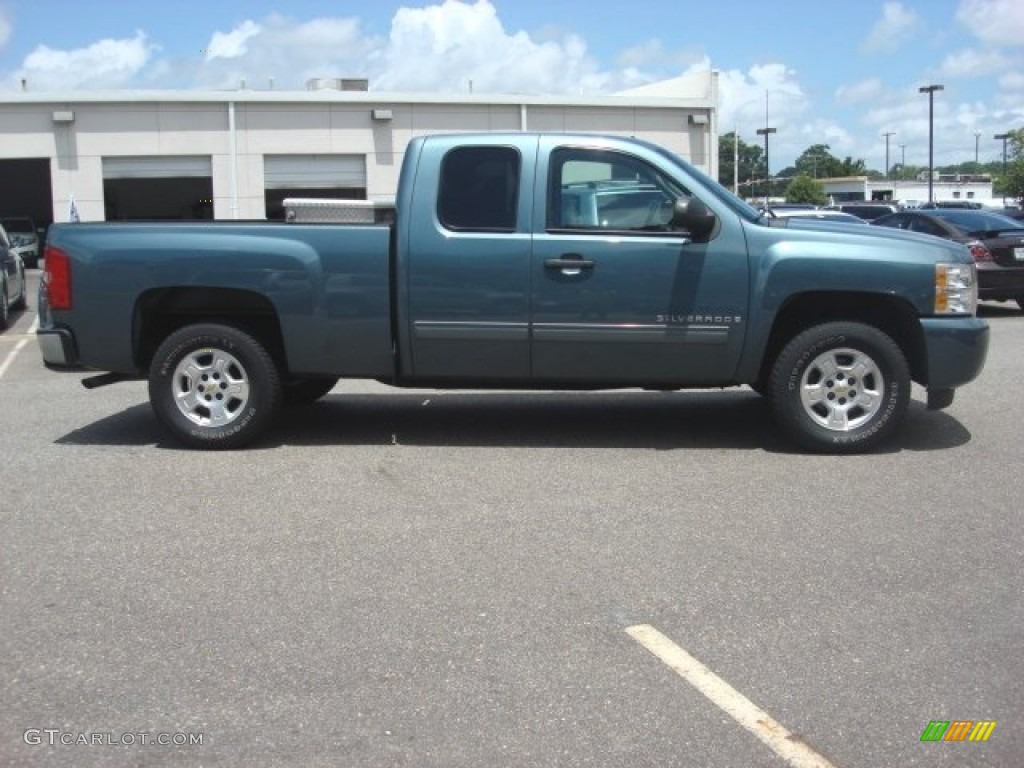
{"points": [[301, 126]]}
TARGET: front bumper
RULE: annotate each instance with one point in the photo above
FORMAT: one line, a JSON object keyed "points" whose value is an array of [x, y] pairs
{"points": [[955, 351]]}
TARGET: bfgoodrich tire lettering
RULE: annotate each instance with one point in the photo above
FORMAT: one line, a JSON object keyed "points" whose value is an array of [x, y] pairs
{"points": [[840, 387], [214, 386]]}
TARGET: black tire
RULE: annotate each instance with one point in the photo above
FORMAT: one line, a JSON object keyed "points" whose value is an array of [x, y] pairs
{"points": [[214, 386], [299, 392], [840, 388], [1020, 303]]}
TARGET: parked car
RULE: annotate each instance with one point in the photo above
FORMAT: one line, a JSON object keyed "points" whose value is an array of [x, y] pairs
{"points": [[971, 205], [866, 209], [12, 279], [24, 238], [995, 241]]}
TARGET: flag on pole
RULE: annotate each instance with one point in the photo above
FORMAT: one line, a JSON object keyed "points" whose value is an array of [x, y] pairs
{"points": [[72, 209]]}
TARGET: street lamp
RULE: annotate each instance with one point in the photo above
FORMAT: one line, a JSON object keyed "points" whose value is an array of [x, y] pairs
{"points": [[977, 138], [767, 168], [930, 90], [887, 134], [903, 161], [1003, 137]]}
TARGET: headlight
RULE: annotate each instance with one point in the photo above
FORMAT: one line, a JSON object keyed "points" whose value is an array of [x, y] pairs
{"points": [[956, 289]]}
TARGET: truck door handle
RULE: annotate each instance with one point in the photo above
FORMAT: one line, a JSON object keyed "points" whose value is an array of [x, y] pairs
{"points": [[570, 263]]}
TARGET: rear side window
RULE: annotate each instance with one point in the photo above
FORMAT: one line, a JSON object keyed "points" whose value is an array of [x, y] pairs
{"points": [[928, 227], [479, 189]]}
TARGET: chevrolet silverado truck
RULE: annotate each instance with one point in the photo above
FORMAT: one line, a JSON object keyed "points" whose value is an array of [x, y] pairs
{"points": [[520, 261]]}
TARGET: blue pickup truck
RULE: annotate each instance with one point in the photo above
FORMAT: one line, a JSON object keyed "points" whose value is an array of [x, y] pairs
{"points": [[529, 261]]}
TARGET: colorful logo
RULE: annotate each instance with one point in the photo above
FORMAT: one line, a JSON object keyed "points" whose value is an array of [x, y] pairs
{"points": [[958, 730]]}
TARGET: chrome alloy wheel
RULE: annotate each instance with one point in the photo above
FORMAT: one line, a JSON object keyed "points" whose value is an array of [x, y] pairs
{"points": [[842, 389], [211, 387]]}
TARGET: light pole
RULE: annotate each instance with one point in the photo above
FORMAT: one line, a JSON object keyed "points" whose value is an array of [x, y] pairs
{"points": [[903, 161], [930, 90], [977, 138], [767, 168], [887, 134], [1003, 137]]}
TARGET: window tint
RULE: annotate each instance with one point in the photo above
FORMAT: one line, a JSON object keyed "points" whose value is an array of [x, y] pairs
{"points": [[594, 189], [479, 189], [921, 224], [896, 221]]}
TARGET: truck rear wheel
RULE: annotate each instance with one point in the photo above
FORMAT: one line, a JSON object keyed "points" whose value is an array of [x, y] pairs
{"points": [[214, 386], [840, 387]]}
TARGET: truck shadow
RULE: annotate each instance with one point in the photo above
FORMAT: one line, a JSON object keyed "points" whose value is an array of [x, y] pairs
{"points": [[735, 420]]}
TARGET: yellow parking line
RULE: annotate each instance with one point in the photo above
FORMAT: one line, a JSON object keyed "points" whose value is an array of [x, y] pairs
{"points": [[741, 709]]}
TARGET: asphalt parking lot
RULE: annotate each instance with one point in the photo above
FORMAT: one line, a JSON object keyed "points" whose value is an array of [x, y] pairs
{"points": [[442, 579]]}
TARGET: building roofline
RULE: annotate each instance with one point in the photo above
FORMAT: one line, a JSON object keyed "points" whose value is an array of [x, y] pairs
{"points": [[329, 96]]}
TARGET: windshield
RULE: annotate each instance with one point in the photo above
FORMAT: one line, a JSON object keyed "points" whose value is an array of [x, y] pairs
{"points": [[741, 207], [977, 221], [23, 226]]}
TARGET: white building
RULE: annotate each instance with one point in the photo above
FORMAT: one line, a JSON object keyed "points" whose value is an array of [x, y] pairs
{"points": [[945, 188], [237, 154]]}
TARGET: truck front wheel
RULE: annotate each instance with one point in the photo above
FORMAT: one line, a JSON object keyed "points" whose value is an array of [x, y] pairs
{"points": [[840, 387], [214, 386]]}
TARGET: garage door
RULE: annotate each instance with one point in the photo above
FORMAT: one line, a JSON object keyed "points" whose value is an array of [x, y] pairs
{"points": [[314, 171], [184, 167], [158, 187], [325, 176]]}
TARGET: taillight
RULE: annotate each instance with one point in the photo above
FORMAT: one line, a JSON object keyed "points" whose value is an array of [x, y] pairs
{"points": [[979, 251], [57, 278]]}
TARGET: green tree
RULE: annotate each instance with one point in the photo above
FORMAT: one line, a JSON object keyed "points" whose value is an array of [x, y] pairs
{"points": [[751, 165], [818, 162], [1012, 183], [804, 189]]}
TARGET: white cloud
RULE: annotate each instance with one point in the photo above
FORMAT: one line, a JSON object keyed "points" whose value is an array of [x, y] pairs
{"points": [[865, 91], [231, 45], [1012, 81], [997, 22], [286, 50], [896, 26], [972, 62], [443, 47], [5, 29], [742, 95], [104, 64]]}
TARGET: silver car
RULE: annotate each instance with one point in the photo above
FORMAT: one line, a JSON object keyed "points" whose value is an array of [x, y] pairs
{"points": [[24, 237], [12, 279]]}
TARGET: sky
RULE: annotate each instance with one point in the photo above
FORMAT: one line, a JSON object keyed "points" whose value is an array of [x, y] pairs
{"points": [[836, 72]]}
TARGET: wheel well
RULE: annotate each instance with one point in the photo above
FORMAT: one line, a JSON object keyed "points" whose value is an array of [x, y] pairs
{"points": [[160, 312], [891, 315]]}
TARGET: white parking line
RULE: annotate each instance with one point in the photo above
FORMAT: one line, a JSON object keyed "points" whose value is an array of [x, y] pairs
{"points": [[728, 699], [17, 348]]}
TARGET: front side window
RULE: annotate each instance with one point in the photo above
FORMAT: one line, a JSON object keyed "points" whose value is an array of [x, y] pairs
{"points": [[608, 191], [479, 189]]}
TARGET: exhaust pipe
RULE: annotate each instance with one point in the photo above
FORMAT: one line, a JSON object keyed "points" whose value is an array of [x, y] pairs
{"points": [[104, 379]]}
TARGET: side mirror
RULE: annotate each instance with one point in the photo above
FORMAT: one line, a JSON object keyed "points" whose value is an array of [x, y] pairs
{"points": [[691, 214]]}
